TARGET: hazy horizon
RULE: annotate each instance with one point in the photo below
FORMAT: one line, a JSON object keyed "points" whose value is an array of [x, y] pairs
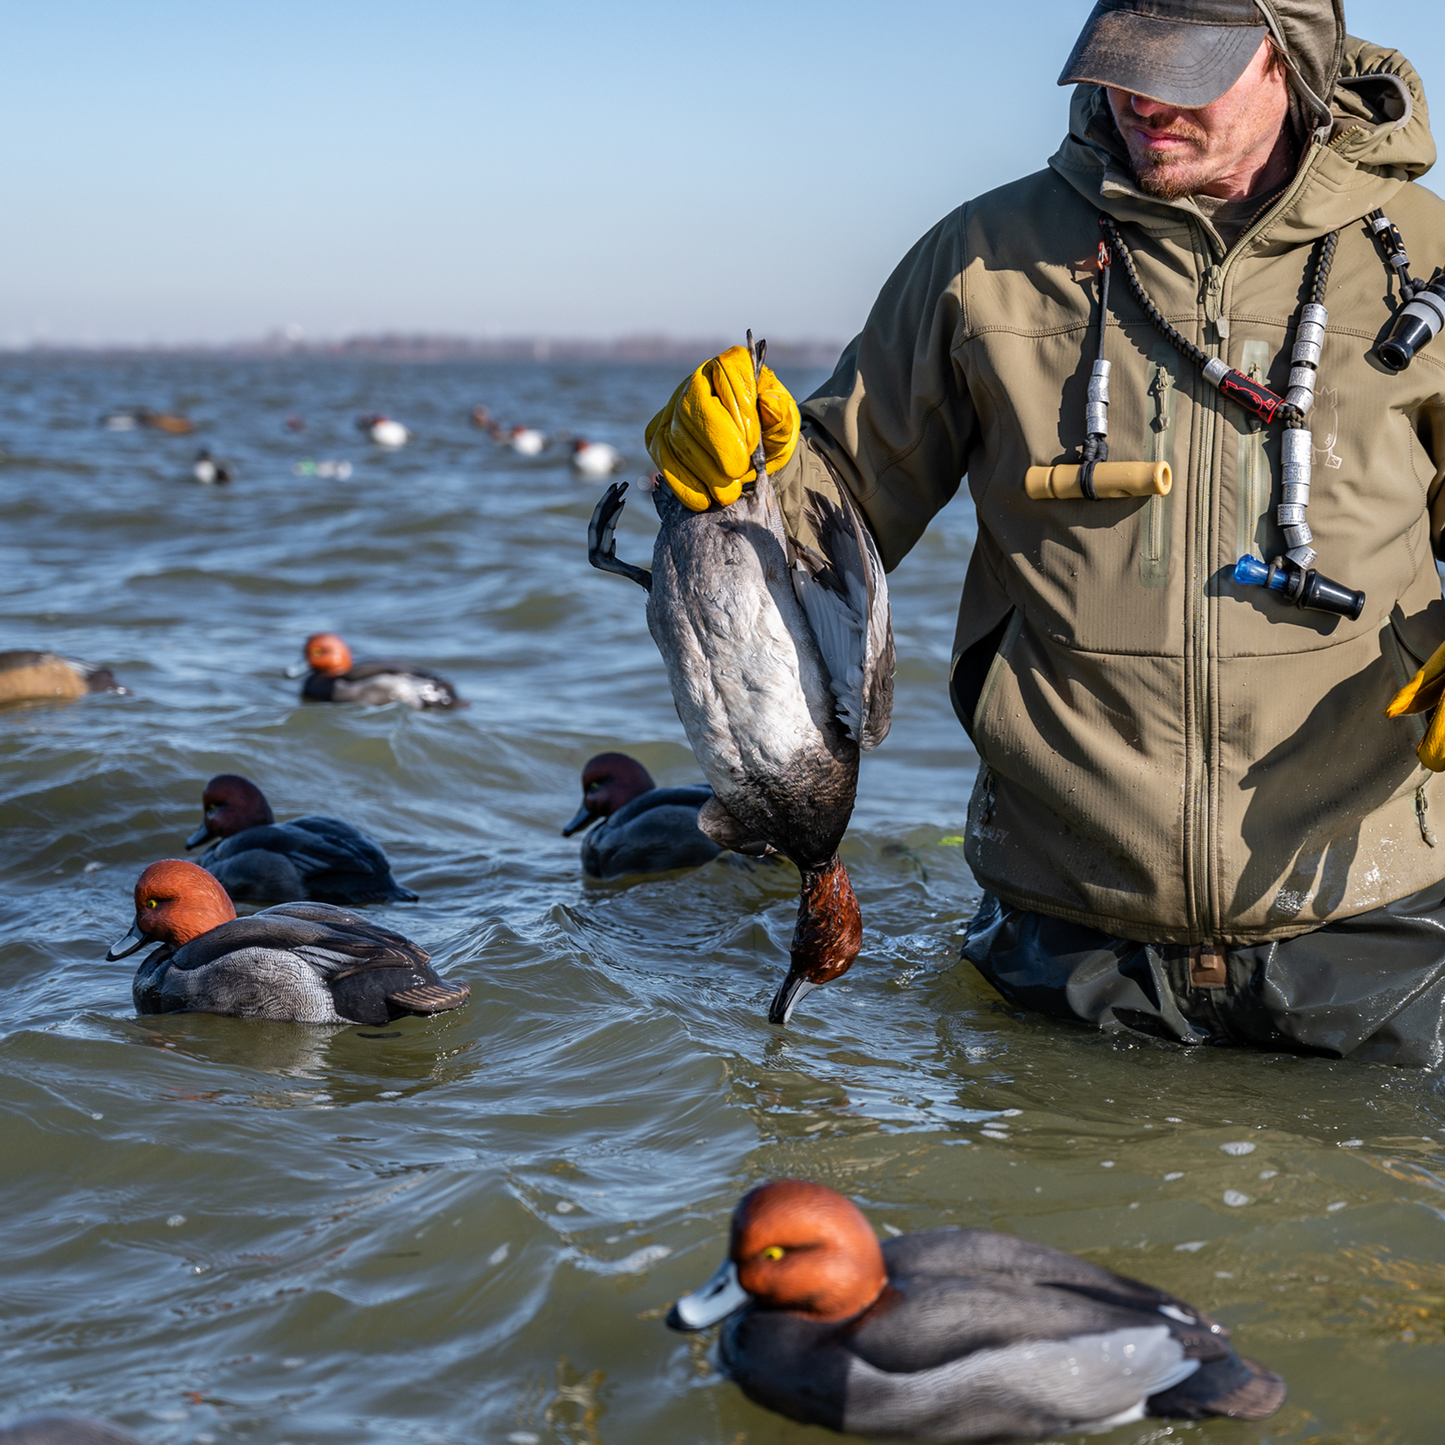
{"points": [[198, 177]]}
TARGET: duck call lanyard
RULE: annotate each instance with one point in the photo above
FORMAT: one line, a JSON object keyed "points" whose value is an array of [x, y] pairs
{"points": [[1290, 574]]}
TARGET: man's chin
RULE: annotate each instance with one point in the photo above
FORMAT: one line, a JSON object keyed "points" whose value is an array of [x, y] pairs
{"points": [[1167, 182]]}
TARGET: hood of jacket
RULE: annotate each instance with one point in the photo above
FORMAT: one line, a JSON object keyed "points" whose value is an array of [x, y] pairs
{"points": [[1377, 139]]}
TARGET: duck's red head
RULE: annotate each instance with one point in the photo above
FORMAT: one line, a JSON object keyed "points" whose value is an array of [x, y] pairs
{"points": [[580, 444], [608, 781], [230, 805], [174, 902], [327, 654], [794, 1245]]}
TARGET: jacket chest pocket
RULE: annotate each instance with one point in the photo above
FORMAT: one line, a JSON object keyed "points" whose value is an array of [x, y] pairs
{"points": [[1155, 519]]}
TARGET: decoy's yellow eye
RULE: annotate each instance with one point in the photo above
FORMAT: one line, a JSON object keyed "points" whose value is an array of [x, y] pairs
{"points": [[152, 903], [773, 1251]]}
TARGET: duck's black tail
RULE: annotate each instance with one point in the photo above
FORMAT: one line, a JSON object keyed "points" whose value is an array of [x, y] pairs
{"points": [[1234, 1386]]}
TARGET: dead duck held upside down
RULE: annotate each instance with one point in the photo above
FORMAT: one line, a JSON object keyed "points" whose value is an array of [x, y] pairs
{"points": [[780, 659]]}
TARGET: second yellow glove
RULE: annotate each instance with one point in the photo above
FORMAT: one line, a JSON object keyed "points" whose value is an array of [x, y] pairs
{"points": [[1420, 694], [704, 438]]}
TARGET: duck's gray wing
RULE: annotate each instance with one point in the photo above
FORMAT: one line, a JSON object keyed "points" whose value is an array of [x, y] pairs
{"points": [[920, 1324], [370, 971], [330, 939], [376, 678], [1022, 1391], [943, 1252], [844, 592]]}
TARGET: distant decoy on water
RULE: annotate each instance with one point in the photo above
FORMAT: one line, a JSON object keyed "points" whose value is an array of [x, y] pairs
{"points": [[383, 430], [129, 418], [256, 859], [27, 676], [304, 962], [594, 459], [643, 828], [527, 441], [49, 1429], [334, 677], [208, 470], [953, 1335]]}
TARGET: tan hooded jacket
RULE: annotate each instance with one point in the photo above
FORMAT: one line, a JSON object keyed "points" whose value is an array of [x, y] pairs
{"points": [[1167, 755]]}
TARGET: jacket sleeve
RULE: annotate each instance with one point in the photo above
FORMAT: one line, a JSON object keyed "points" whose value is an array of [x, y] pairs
{"points": [[894, 424]]}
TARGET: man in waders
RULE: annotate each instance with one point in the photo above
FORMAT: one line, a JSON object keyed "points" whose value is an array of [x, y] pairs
{"points": [[1192, 819]]}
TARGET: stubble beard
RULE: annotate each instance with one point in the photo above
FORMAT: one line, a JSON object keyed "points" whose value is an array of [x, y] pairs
{"points": [[1168, 178]]}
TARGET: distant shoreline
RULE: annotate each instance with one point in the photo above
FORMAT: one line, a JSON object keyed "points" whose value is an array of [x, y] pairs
{"points": [[421, 347]]}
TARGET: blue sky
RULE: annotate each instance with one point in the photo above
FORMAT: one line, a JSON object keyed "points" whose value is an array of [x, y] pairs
{"points": [[204, 172]]}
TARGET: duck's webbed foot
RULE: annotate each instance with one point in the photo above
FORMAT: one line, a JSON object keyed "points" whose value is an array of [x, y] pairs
{"points": [[602, 543]]}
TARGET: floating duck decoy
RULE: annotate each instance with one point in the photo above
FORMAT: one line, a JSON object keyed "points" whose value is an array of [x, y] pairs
{"points": [[129, 418], [644, 828], [308, 963], [483, 420], [208, 470], [594, 459], [383, 430], [51, 1429], [527, 441], [257, 859], [334, 677], [329, 470], [27, 676], [953, 1335], [780, 660]]}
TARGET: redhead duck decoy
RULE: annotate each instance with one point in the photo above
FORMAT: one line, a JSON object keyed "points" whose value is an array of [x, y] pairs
{"points": [[334, 677], [594, 459], [383, 430], [309, 963], [780, 660], [49, 1429], [644, 828], [208, 470], [256, 859], [27, 676], [953, 1335], [527, 441]]}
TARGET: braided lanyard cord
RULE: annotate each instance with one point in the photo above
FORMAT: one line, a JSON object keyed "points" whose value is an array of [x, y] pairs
{"points": [[1096, 413], [1290, 409]]}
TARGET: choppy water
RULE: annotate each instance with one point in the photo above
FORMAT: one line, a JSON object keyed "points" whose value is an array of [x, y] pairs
{"points": [[467, 1229]]}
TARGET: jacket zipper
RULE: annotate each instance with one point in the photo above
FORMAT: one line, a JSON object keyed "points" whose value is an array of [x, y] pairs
{"points": [[1199, 798], [1200, 820]]}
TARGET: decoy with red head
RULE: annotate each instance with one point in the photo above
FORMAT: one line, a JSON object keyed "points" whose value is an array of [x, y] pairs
{"points": [[953, 1335], [335, 677], [302, 962]]}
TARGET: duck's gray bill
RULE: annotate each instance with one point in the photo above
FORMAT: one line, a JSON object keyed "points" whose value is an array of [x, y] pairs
{"points": [[123, 947], [787, 998], [198, 837], [298, 669], [715, 1301], [582, 819]]}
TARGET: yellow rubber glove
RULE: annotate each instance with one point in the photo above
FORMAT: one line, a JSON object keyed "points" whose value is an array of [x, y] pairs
{"points": [[1420, 694], [703, 440]]}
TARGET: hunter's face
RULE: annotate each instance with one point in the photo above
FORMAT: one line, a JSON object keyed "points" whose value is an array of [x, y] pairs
{"points": [[1211, 149]]}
